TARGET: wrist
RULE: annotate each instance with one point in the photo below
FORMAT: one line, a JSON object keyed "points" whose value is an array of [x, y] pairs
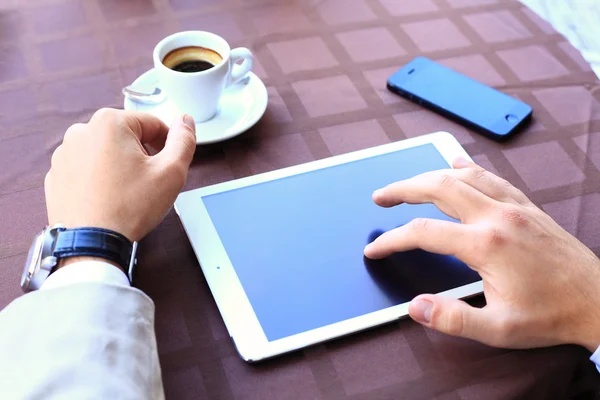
{"points": [[95, 244], [72, 260], [590, 337], [584, 326], [591, 345], [101, 224]]}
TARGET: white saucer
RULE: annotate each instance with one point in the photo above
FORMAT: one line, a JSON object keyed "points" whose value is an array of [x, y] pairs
{"points": [[241, 107]]}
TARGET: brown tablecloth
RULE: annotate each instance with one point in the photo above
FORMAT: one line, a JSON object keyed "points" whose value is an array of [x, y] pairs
{"points": [[325, 64]]}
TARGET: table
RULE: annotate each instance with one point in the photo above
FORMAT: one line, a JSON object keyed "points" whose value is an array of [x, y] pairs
{"points": [[325, 64]]}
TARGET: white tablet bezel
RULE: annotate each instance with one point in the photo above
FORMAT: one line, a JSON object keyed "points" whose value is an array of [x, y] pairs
{"points": [[235, 308]]}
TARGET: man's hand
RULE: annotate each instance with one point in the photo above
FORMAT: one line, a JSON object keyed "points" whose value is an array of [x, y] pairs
{"points": [[542, 286], [102, 176]]}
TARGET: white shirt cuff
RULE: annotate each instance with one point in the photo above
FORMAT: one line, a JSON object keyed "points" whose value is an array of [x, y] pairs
{"points": [[86, 271], [595, 358]]}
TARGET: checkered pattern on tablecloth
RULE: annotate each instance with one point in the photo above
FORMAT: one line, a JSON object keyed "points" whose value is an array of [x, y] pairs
{"points": [[325, 64]]}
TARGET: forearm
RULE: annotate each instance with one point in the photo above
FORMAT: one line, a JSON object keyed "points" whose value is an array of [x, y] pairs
{"points": [[86, 333], [77, 341]]}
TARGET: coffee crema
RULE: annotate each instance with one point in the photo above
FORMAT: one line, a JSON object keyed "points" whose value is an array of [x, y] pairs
{"points": [[191, 59]]}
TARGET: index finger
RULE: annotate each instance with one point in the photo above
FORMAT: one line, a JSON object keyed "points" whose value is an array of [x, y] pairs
{"points": [[451, 195], [488, 183], [147, 128]]}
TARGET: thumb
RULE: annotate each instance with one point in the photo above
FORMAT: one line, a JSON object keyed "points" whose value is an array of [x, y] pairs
{"points": [[454, 317], [180, 144]]}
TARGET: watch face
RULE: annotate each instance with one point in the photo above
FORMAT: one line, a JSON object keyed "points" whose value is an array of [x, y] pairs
{"points": [[33, 260]]}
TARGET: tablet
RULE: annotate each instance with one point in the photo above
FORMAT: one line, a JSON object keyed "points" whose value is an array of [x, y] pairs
{"points": [[282, 251]]}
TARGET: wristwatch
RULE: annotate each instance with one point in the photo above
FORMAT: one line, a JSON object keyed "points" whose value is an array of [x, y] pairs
{"points": [[55, 243]]}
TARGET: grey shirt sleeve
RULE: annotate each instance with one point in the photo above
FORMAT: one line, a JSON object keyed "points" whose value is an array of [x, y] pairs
{"points": [[82, 341]]}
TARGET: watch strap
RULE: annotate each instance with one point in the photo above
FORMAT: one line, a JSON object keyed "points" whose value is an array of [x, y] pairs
{"points": [[95, 242]]}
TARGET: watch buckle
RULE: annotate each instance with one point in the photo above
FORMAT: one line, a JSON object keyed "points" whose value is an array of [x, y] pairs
{"points": [[132, 262]]}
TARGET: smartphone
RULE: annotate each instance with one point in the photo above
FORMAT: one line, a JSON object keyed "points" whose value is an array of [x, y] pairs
{"points": [[462, 99]]}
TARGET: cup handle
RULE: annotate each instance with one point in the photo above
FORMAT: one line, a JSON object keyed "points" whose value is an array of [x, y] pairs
{"points": [[239, 71]]}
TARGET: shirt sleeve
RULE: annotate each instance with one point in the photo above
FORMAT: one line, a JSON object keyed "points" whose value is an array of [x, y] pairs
{"points": [[86, 272], [87, 340]]}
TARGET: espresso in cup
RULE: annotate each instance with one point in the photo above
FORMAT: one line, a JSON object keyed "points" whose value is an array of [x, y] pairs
{"points": [[195, 67], [191, 59]]}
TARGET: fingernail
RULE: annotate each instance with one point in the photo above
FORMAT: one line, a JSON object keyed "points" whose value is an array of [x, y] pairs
{"points": [[460, 162], [420, 310], [378, 193], [189, 121]]}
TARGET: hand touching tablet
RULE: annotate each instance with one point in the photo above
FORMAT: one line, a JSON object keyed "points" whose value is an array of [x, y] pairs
{"points": [[542, 285]]}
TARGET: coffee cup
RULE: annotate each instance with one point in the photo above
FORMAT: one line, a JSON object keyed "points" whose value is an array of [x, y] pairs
{"points": [[195, 67]]}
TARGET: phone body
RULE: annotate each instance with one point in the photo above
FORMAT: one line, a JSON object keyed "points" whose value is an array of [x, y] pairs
{"points": [[460, 98]]}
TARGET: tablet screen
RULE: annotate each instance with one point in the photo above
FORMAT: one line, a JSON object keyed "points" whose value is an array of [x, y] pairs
{"points": [[296, 243]]}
